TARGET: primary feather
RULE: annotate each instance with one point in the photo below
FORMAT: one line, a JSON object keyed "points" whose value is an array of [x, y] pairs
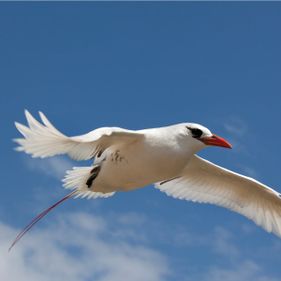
{"points": [[204, 182], [44, 140]]}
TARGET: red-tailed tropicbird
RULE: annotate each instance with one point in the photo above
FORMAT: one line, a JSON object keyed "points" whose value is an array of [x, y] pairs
{"points": [[126, 160]]}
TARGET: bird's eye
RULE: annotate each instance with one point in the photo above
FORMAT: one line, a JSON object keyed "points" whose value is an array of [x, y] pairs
{"points": [[196, 133]]}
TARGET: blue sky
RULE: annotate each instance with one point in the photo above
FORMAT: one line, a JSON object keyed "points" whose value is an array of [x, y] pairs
{"points": [[139, 65]]}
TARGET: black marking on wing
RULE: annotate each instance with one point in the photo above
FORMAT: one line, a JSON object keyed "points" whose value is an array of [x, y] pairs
{"points": [[94, 173], [165, 181]]}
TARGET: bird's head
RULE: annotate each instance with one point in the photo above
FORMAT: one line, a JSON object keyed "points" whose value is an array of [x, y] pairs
{"points": [[202, 136]]}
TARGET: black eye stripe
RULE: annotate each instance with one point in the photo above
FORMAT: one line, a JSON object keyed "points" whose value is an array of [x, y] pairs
{"points": [[196, 133]]}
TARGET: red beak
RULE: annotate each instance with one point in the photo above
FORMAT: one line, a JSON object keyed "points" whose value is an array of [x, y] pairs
{"points": [[216, 141]]}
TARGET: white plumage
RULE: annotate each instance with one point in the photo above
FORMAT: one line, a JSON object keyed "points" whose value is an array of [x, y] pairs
{"points": [[127, 159], [44, 140], [204, 182]]}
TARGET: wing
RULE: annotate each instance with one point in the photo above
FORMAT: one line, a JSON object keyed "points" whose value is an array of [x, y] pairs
{"points": [[44, 140], [205, 182]]}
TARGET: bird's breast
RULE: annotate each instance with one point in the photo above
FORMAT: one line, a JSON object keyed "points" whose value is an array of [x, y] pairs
{"points": [[140, 164]]}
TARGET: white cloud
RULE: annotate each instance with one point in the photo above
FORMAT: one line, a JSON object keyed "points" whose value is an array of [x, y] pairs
{"points": [[223, 243], [236, 127], [237, 130], [78, 247], [54, 167], [236, 266], [248, 171], [244, 271]]}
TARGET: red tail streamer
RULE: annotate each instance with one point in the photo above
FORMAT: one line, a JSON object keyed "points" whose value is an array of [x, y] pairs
{"points": [[39, 217]]}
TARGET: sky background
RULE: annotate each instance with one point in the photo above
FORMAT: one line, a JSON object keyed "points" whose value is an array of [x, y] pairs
{"points": [[139, 65]]}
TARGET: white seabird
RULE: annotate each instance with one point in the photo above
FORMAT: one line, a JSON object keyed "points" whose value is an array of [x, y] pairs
{"points": [[125, 160]]}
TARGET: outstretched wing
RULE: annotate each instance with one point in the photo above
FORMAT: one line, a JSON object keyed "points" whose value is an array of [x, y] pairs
{"points": [[44, 140], [205, 182]]}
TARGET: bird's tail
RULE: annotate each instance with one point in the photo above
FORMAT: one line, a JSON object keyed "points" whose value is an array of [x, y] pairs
{"points": [[75, 179], [39, 217], [78, 177]]}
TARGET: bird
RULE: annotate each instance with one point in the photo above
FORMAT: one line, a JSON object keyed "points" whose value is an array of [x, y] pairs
{"points": [[166, 157]]}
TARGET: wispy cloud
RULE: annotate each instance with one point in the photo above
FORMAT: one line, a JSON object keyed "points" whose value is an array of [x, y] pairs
{"points": [[51, 168], [238, 131], [234, 266], [248, 171], [54, 167], [236, 127], [78, 247], [223, 243], [243, 271]]}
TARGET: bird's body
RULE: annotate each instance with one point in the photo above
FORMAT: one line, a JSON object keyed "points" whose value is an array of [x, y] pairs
{"points": [[125, 160], [122, 165]]}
